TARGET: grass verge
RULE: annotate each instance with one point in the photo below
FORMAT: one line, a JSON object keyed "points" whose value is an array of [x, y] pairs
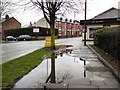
{"points": [[13, 70]]}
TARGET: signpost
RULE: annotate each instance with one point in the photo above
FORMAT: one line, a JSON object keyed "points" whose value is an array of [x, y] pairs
{"points": [[47, 41], [36, 32]]}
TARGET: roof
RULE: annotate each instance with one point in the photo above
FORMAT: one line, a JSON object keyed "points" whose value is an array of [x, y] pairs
{"points": [[110, 16], [12, 18], [113, 21], [42, 23], [110, 13]]}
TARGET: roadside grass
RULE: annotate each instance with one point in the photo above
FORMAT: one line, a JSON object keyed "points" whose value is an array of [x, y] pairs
{"points": [[15, 69]]}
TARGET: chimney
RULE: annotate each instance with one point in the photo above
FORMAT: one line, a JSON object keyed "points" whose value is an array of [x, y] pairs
{"points": [[30, 24], [6, 17]]}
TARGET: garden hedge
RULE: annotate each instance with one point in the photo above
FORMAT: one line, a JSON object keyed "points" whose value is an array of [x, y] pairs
{"points": [[29, 31], [108, 39]]}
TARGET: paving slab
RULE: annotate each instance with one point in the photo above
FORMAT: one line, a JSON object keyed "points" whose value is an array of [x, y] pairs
{"points": [[53, 86], [89, 74], [109, 88], [82, 87], [97, 73], [96, 69], [95, 64], [98, 83], [111, 82], [82, 81], [107, 75]]}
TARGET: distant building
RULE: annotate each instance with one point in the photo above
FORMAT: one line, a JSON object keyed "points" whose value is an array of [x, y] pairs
{"points": [[68, 28], [65, 28], [109, 18], [42, 23], [9, 23]]}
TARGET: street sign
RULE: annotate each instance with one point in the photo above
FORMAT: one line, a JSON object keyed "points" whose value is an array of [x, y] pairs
{"points": [[36, 30], [47, 41]]}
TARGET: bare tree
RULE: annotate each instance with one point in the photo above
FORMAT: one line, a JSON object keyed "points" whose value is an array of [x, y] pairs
{"points": [[50, 9], [6, 7]]}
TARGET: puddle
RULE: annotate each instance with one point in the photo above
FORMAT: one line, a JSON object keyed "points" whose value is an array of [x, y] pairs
{"points": [[68, 66]]}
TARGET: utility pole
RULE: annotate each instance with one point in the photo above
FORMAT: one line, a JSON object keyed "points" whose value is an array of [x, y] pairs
{"points": [[0, 9], [85, 27]]}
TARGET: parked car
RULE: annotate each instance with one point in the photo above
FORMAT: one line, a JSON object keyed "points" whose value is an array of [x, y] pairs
{"points": [[10, 38], [24, 38]]}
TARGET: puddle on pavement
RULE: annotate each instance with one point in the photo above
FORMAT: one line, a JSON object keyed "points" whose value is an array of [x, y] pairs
{"points": [[68, 66]]}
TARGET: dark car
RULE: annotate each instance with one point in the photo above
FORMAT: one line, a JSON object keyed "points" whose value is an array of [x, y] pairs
{"points": [[24, 38], [10, 38]]}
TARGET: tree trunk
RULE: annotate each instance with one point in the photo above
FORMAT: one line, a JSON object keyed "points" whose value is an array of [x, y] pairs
{"points": [[52, 68], [52, 29]]}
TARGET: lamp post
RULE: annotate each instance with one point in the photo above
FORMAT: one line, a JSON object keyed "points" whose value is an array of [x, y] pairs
{"points": [[71, 27], [85, 23], [66, 27], [61, 26]]}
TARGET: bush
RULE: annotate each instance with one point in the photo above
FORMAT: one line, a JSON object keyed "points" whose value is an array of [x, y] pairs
{"points": [[28, 31], [108, 39]]}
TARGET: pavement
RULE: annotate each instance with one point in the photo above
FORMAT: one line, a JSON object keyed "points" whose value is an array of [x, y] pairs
{"points": [[78, 69]]}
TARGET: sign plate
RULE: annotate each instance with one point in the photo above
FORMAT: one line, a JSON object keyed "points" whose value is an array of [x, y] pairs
{"points": [[36, 30], [47, 41]]}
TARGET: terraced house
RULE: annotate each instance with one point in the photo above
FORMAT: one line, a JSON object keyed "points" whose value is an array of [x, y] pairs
{"points": [[67, 28]]}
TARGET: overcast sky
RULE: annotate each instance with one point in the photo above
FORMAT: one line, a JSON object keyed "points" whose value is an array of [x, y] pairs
{"points": [[94, 7]]}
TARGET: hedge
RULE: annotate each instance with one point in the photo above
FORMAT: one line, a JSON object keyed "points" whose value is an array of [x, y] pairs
{"points": [[28, 31], [108, 39]]}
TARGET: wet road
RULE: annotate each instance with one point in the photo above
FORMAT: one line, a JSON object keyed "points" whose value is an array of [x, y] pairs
{"points": [[14, 50]]}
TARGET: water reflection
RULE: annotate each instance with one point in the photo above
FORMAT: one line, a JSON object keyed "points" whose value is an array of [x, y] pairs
{"points": [[66, 66]]}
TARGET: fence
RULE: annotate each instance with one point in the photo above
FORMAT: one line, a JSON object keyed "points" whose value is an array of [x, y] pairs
{"points": [[29, 31]]}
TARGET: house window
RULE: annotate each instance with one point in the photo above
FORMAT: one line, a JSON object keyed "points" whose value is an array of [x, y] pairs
{"points": [[92, 30]]}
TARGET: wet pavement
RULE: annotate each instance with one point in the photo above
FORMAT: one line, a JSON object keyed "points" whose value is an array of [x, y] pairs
{"points": [[77, 69]]}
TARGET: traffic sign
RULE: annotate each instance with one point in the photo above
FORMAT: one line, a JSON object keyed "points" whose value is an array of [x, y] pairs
{"points": [[47, 41]]}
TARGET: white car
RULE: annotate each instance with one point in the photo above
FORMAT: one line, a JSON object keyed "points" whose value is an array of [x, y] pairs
{"points": [[10, 38]]}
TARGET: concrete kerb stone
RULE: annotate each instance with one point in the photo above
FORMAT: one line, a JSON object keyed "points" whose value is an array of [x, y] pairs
{"points": [[115, 72]]}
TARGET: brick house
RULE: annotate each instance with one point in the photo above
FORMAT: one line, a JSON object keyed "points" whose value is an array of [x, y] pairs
{"points": [[9, 23], [68, 29]]}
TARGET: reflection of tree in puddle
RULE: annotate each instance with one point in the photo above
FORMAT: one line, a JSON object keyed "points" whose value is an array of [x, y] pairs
{"points": [[62, 77], [52, 78]]}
